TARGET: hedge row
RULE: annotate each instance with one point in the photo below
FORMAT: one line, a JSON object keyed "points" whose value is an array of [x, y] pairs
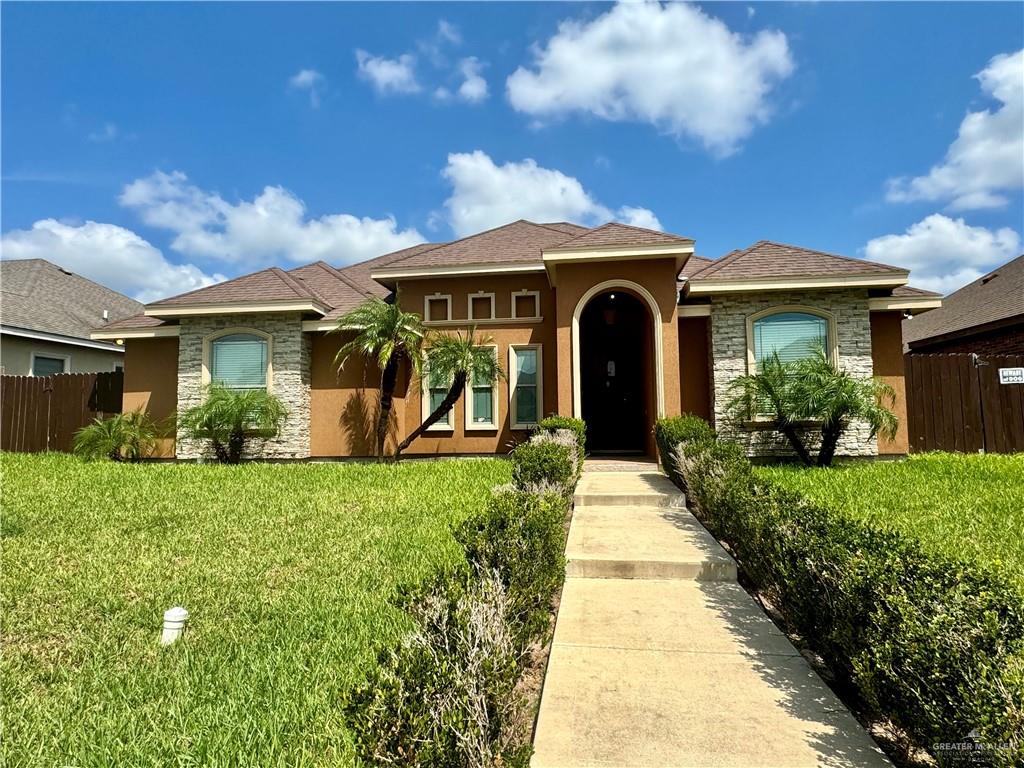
{"points": [[447, 694], [934, 645]]}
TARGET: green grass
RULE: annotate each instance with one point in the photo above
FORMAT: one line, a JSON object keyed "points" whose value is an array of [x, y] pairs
{"points": [[288, 571], [967, 506]]}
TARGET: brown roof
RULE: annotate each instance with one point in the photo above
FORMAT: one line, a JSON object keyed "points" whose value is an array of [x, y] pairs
{"points": [[909, 290], [273, 284], [765, 259], [37, 295], [564, 226], [693, 265], [613, 233], [360, 273], [520, 241], [994, 298], [133, 323]]}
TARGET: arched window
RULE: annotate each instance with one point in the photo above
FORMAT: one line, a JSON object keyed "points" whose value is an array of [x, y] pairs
{"points": [[793, 335], [239, 361]]}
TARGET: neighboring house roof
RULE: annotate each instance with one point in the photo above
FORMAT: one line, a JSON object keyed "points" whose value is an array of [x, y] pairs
{"points": [[765, 259], [990, 301], [37, 295]]}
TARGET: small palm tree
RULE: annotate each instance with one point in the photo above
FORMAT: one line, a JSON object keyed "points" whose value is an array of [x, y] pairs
{"points": [[456, 358], [813, 390], [387, 335], [124, 437], [228, 418]]}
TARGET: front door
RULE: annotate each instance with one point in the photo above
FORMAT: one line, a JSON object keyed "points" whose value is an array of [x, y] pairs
{"points": [[614, 342]]}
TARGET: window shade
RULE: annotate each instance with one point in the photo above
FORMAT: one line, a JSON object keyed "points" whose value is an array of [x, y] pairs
{"points": [[792, 335], [239, 361]]}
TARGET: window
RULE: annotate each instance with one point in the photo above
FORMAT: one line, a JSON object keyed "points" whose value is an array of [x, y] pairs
{"points": [[48, 365], [239, 361], [481, 306], [794, 333], [437, 308], [482, 403], [526, 385], [525, 304], [434, 391]]}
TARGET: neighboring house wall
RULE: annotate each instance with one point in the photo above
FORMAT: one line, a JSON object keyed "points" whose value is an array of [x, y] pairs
{"points": [[16, 356], [150, 383], [695, 366], [290, 359], [729, 313], [1001, 341], [887, 363]]}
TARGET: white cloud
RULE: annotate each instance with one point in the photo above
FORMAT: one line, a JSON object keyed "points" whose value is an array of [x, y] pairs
{"points": [[474, 87], [271, 226], [448, 32], [944, 254], [486, 195], [105, 134], [111, 255], [389, 75], [308, 80], [673, 66], [987, 157]]}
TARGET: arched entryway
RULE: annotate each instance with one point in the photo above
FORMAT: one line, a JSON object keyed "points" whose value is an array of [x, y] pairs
{"points": [[617, 371]]}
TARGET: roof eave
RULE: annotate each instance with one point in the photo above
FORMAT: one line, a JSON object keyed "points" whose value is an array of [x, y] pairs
{"points": [[158, 332], [236, 308], [698, 287], [912, 304], [387, 277]]}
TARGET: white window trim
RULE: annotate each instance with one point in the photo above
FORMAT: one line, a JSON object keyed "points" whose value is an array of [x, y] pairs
{"points": [[447, 297], [469, 305], [513, 373], [442, 425], [52, 356], [495, 422], [208, 352], [536, 304], [831, 330]]}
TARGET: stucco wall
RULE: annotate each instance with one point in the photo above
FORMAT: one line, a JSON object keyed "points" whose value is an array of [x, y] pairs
{"points": [[695, 366], [290, 358], [16, 356], [887, 361], [150, 383], [729, 314]]}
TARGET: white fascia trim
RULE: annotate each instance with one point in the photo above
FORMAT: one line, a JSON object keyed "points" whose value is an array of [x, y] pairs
{"points": [[56, 338], [617, 252], [446, 270], [695, 310], [140, 333], [894, 303], [705, 287], [172, 310], [312, 326]]}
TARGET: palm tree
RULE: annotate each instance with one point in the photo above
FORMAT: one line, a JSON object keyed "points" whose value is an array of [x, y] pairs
{"points": [[228, 418], [815, 390], [387, 335], [456, 358], [124, 437]]}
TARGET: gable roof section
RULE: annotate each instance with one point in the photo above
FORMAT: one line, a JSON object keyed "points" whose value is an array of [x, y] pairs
{"points": [[995, 298], [613, 234], [39, 296], [267, 287]]}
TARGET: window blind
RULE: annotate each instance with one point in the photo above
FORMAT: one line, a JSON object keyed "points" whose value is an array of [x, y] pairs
{"points": [[792, 335], [526, 386], [239, 361]]}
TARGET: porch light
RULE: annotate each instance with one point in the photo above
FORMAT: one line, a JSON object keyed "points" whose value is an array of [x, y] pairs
{"points": [[612, 297]]}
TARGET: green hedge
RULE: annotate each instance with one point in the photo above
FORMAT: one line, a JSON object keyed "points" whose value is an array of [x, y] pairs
{"points": [[933, 644], [670, 432], [577, 426], [447, 695]]}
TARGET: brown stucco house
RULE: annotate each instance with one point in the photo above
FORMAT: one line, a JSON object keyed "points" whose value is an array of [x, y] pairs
{"points": [[616, 324]]}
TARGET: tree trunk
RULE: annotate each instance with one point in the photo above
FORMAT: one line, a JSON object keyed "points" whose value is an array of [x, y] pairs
{"points": [[793, 435], [458, 385], [388, 381], [830, 433], [221, 452], [236, 441]]}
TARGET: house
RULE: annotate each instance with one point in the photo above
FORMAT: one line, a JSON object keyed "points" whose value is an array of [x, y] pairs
{"points": [[46, 316], [984, 317], [617, 324]]}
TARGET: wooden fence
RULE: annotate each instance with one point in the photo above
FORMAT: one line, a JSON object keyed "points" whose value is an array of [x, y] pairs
{"points": [[955, 402], [42, 413]]}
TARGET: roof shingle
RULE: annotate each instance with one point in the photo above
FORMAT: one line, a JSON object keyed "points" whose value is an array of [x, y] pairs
{"points": [[273, 284], [615, 234], [765, 259]]}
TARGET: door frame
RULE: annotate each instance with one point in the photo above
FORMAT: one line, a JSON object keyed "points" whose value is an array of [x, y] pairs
{"points": [[656, 331]]}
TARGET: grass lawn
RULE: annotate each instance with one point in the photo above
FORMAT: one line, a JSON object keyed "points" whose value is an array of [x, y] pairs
{"points": [[288, 572], [970, 506]]}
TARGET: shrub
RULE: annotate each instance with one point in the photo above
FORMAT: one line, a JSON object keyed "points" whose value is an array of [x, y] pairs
{"points": [[125, 437], [931, 643], [670, 432], [230, 418], [541, 461], [577, 426]]}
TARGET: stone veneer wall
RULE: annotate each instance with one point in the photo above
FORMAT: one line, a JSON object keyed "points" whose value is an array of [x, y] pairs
{"points": [[290, 358], [729, 314]]}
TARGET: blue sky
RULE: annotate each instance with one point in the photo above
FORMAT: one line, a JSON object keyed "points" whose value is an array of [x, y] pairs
{"points": [[157, 147]]}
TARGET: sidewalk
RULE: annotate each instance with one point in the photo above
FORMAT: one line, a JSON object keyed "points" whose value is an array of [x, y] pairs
{"points": [[661, 659]]}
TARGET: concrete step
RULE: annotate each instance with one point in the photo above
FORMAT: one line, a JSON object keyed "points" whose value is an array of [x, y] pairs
{"points": [[627, 489], [643, 542]]}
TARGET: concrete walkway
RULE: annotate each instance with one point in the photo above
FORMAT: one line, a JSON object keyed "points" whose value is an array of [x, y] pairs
{"points": [[661, 659]]}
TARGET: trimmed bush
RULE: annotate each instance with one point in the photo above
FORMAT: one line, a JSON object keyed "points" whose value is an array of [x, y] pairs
{"points": [[577, 426], [934, 644], [670, 432], [542, 461]]}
